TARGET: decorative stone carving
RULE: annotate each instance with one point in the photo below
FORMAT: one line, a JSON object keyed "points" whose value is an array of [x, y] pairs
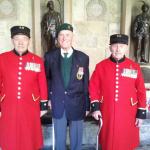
{"points": [[7, 8], [95, 9]]}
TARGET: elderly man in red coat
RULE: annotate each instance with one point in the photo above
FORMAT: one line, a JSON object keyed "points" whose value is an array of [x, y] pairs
{"points": [[117, 94], [23, 90]]}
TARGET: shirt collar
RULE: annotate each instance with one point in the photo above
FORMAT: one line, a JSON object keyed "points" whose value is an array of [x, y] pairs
{"points": [[70, 51], [19, 54], [117, 61]]}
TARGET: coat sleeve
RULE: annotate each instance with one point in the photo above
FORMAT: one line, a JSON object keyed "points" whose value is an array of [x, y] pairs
{"points": [[43, 88], [0, 85], [141, 95], [95, 89], [48, 73], [86, 84]]}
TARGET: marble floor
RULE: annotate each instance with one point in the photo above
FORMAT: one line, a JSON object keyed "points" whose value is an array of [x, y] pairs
{"points": [[89, 140], [88, 147]]}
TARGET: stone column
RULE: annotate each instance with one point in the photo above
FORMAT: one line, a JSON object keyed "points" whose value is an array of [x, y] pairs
{"points": [[68, 11], [36, 27]]}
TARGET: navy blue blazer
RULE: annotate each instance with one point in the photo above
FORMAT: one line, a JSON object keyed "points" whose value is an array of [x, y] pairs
{"points": [[75, 98]]}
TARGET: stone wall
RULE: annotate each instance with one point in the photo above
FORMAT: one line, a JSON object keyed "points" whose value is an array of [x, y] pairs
{"points": [[13, 12], [94, 21]]}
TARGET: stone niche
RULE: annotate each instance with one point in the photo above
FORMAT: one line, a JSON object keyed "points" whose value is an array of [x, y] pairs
{"points": [[146, 73], [136, 9]]}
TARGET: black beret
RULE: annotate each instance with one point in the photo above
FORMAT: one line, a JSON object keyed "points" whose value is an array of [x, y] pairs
{"points": [[64, 26], [20, 30], [119, 38]]}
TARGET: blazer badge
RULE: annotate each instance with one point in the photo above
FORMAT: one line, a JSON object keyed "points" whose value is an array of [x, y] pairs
{"points": [[80, 73]]}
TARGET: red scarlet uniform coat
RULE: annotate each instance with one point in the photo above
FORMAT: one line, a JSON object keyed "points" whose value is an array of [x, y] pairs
{"points": [[119, 87], [23, 86]]}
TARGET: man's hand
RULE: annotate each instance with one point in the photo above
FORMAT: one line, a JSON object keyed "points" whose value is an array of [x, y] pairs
{"points": [[97, 114], [87, 113], [138, 122], [43, 112], [49, 104]]}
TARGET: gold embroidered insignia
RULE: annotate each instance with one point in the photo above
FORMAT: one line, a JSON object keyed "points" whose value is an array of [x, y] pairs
{"points": [[21, 27], [130, 66], [80, 73], [133, 103], [2, 98], [35, 98], [102, 99], [118, 35], [69, 27]]}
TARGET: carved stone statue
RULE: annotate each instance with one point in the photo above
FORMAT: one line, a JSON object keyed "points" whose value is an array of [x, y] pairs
{"points": [[141, 34], [50, 21]]}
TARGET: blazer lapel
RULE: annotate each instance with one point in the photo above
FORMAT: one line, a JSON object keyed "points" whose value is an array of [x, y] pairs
{"points": [[58, 65], [74, 67]]}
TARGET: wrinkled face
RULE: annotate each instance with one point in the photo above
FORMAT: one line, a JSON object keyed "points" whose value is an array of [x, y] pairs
{"points": [[65, 38], [21, 43], [118, 50]]}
